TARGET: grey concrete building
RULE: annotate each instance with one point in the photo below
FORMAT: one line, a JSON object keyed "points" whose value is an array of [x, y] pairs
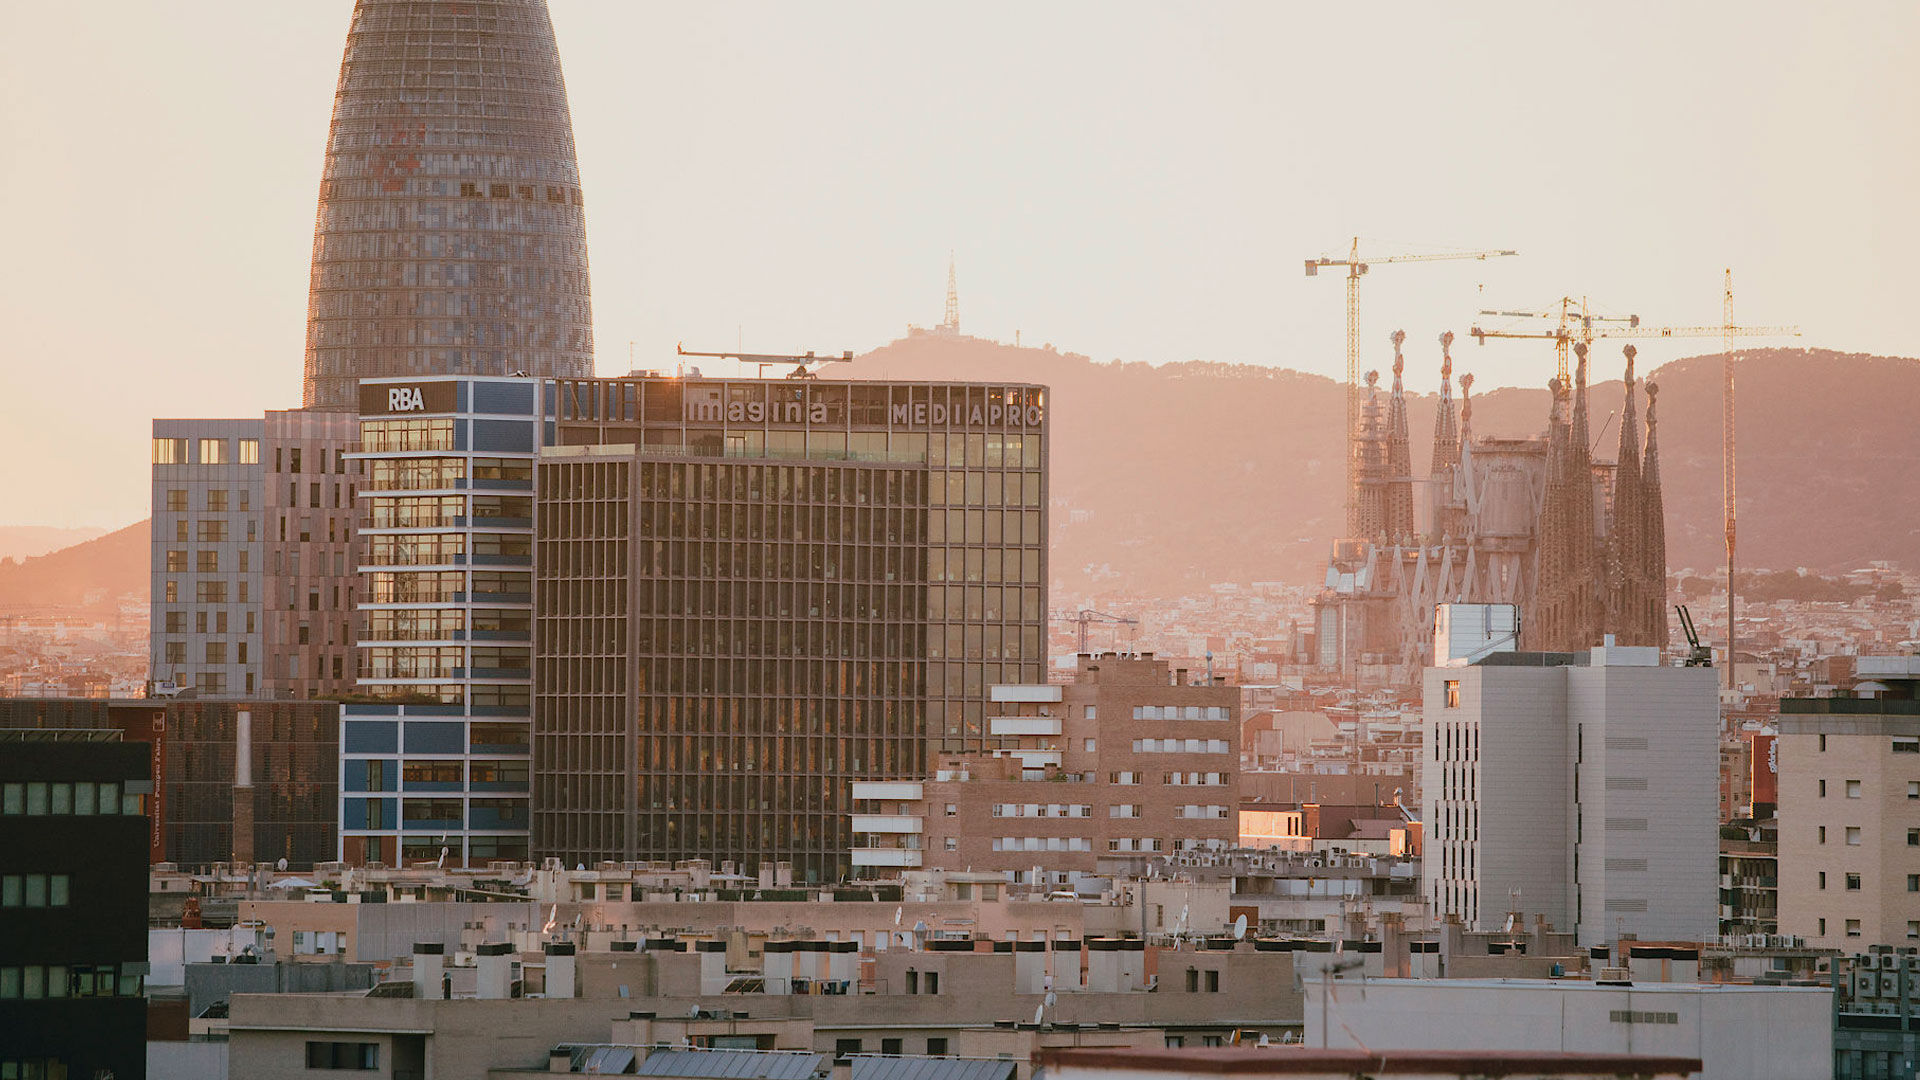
{"points": [[1579, 786], [206, 539]]}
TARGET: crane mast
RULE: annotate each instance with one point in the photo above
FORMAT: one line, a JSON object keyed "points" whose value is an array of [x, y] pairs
{"points": [[1726, 458]]}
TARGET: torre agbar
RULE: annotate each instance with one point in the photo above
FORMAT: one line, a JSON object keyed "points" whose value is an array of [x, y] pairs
{"points": [[451, 232]]}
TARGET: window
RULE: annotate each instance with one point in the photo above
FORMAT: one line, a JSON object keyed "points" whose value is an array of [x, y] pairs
{"points": [[1913, 789], [1090, 743], [953, 810], [1823, 745], [1453, 693], [1906, 746], [1913, 929], [1823, 789], [938, 1047], [891, 1046], [213, 452], [1853, 882], [169, 451], [177, 500], [1823, 879], [1913, 837], [343, 1055], [1853, 836], [1823, 834], [1913, 882], [217, 500], [950, 843], [844, 1049], [1853, 789], [1853, 927], [1213, 981], [1823, 928], [249, 451]]}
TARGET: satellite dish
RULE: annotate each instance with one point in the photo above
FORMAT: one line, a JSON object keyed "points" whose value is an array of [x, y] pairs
{"points": [[283, 864], [897, 912], [1263, 1039], [1052, 999], [443, 859], [1240, 928], [1039, 1013]]}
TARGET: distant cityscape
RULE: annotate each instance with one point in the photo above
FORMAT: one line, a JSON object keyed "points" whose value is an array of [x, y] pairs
{"points": [[483, 717]]}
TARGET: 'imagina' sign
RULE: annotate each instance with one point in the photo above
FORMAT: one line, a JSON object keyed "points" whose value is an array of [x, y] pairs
{"points": [[996, 414]]}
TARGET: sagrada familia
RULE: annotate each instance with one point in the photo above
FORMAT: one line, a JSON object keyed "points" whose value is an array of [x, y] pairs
{"points": [[1577, 545]]}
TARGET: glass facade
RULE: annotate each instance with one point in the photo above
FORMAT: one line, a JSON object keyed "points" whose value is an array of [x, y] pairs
{"points": [[435, 743], [751, 593], [451, 231]]}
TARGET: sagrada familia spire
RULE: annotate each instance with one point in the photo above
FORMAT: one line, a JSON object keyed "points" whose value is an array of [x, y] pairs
{"points": [[1596, 581], [1444, 518], [1578, 545]]}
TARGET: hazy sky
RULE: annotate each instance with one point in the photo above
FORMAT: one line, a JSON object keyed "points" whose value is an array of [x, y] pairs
{"points": [[1125, 180]]}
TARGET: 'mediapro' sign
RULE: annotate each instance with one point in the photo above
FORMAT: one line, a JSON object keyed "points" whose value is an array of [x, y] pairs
{"points": [[995, 414]]}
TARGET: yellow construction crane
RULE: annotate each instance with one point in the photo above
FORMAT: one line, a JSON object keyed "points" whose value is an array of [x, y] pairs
{"points": [[1574, 320], [1356, 266]]}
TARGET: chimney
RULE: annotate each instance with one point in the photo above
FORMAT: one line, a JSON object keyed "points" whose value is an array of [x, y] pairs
{"points": [[563, 971], [776, 966], [243, 787], [495, 962], [429, 963], [1029, 967], [1066, 965]]}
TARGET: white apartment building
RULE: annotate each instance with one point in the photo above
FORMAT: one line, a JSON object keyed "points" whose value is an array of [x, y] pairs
{"points": [[1849, 810], [1577, 786]]}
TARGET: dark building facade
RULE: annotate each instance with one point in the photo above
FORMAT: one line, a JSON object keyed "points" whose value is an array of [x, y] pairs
{"points": [[73, 904], [750, 593], [253, 781], [451, 232]]}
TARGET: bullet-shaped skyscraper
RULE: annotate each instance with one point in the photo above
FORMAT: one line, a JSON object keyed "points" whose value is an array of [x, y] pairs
{"points": [[451, 233]]}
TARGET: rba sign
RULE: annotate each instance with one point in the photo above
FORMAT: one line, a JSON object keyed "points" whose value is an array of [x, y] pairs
{"points": [[405, 399], [918, 414]]}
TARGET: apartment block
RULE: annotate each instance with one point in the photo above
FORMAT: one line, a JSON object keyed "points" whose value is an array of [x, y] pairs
{"points": [[252, 576], [206, 539], [1131, 757], [1849, 810], [1579, 786], [434, 743]]}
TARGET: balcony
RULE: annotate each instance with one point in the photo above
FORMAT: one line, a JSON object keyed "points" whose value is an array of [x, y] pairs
{"points": [[1023, 725], [1026, 693], [894, 824], [889, 790], [1034, 759], [895, 857]]}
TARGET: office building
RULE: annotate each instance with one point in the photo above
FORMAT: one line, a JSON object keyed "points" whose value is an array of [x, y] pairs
{"points": [[451, 232], [1849, 810], [752, 593], [434, 743], [1578, 786], [252, 588], [1876, 1014], [232, 780], [73, 904], [1131, 757]]}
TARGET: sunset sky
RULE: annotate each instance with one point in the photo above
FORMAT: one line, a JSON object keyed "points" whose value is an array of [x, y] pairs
{"points": [[1124, 180]]}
